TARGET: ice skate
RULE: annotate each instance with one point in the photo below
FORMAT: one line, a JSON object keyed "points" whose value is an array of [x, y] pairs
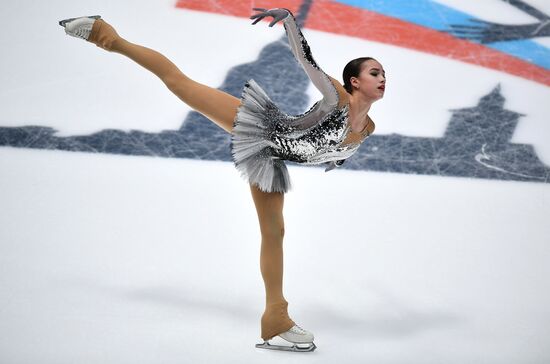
{"points": [[79, 27], [296, 339], [92, 29]]}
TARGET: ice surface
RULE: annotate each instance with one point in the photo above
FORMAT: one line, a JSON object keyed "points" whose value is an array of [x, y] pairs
{"points": [[116, 260], [142, 245]]}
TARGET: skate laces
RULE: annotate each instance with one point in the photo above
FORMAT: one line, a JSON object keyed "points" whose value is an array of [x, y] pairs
{"points": [[83, 32], [298, 330]]}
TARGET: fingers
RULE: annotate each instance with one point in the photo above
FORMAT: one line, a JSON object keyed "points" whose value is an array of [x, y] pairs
{"points": [[276, 19], [263, 13], [259, 16], [257, 20]]}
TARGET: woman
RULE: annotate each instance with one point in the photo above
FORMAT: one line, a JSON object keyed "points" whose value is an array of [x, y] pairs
{"points": [[263, 137]]}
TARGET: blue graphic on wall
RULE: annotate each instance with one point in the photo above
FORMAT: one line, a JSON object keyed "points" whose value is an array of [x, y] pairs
{"points": [[476, 143], [512, 39]]}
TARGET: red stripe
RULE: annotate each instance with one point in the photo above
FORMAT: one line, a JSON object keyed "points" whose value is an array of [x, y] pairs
{"points": [[238, 8], [364, 24]]}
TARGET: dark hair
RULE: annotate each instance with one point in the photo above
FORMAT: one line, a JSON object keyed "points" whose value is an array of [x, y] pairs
{"points": [[352, 69]]}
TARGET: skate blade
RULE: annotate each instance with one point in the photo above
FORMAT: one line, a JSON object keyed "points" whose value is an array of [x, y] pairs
{"points": [[65, 21], [296, 347]]}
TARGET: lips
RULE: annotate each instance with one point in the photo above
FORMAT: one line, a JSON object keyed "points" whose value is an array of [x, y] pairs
{"points": [[382, 88]]}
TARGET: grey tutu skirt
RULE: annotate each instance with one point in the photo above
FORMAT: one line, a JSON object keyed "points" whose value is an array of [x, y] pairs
{"points": [[251, 145]]}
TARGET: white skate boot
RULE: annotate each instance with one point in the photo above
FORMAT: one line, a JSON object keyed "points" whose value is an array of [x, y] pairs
{"points": [[301, 340], [79, 27]]}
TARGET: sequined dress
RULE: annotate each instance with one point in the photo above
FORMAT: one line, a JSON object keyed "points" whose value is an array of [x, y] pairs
{"points": [[264, 137]]}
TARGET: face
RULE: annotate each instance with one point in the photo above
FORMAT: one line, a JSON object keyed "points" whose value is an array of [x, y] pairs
{"points": [[371, 81]]}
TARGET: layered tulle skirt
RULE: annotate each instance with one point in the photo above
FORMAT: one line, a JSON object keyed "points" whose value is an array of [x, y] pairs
{"points": [[252, 148]]}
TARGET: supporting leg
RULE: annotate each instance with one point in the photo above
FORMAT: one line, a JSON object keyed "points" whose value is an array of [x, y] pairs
{"points": [[269, 207]]}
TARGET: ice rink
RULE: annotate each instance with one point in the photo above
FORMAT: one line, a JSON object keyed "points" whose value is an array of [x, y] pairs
{"points": [[128, 236]]}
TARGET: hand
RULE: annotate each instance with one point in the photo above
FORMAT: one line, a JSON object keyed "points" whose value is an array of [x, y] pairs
{"points": [[277, 14]]}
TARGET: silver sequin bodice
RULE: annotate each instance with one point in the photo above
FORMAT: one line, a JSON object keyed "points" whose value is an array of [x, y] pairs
{"points": [[319, 143]]}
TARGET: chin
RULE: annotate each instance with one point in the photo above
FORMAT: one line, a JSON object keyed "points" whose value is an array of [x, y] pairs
{"points": [[376, 95]]}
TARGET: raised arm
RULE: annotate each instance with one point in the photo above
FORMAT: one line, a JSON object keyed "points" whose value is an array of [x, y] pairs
{"points": [[301, 51]]}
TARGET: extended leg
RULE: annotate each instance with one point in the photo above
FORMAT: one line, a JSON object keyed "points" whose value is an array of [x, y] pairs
{"points": [[216, 105]]}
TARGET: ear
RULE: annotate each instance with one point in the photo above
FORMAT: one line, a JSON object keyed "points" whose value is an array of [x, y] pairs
{"points": [[354, 82]]}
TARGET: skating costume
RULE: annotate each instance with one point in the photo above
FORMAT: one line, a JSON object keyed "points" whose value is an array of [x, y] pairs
{"points": [[264, 136], [275, 320]]}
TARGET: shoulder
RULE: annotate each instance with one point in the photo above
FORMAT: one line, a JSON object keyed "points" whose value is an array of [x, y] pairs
{"points": [[342, 93]]}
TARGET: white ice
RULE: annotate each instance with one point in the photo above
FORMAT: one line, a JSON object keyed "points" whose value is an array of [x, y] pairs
{"points": [[119, 259]]}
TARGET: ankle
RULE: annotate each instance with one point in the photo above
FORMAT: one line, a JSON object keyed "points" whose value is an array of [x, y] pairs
{"points": [[104, 36], [275, 320]]}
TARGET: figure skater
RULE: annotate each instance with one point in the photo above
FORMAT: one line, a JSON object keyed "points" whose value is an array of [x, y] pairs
{"points": [[263, 137]]}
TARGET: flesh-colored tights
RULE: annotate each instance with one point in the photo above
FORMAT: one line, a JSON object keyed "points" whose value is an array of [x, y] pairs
{"points": [[221, 108]]}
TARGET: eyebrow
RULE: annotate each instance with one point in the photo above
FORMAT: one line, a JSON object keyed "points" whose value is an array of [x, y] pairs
{"points": [[377, 69]]}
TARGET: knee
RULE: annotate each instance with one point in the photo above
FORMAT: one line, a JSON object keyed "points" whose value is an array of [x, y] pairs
{"points": [[275, 230], [176, 81], [282, 232]]}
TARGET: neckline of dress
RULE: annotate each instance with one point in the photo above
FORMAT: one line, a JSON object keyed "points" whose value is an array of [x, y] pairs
{"points": [[354, 135]]}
